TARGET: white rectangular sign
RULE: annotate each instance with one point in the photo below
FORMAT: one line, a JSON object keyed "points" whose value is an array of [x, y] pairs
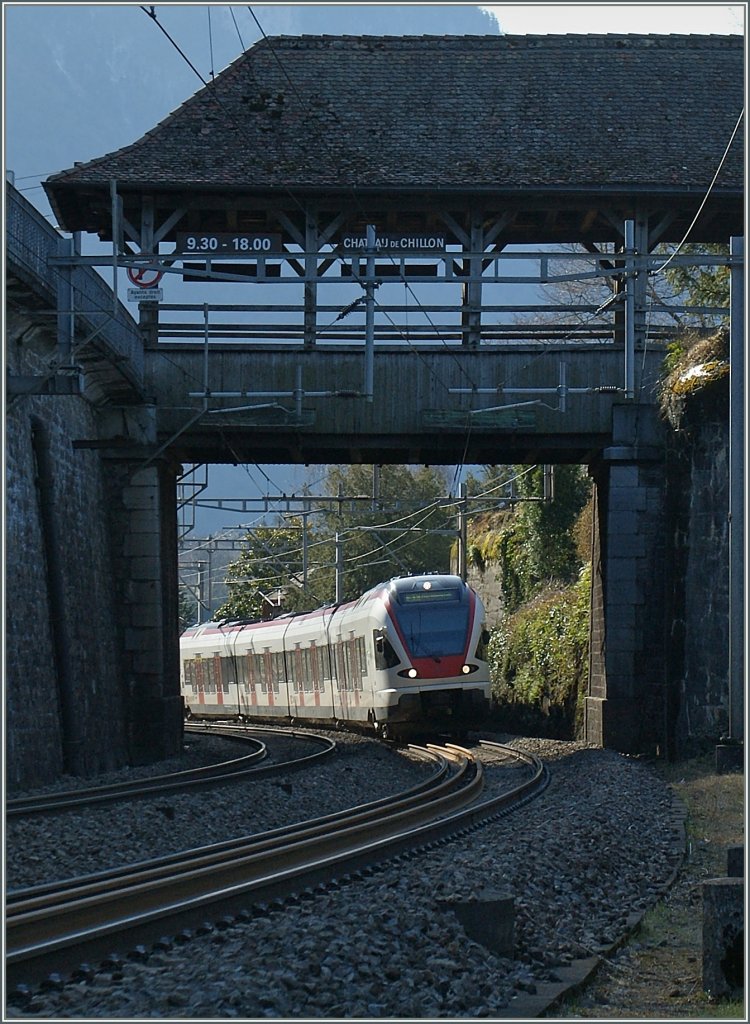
{"points": [[145, 294]]}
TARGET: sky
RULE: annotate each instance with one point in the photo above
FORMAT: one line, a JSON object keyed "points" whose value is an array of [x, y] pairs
{"points": [[645, 17], [81, 80]]}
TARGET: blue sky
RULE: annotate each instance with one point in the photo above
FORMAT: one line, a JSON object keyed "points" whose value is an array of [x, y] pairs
{"points": [[83, 80]]}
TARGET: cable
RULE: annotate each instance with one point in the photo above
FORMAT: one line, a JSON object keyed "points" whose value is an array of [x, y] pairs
{"points": [[151, 13], [355, 196], [654, 273], [242, 43], [210, 42]]}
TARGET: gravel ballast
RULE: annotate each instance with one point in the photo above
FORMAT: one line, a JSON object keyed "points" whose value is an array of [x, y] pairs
{"points": [[596, 848]]}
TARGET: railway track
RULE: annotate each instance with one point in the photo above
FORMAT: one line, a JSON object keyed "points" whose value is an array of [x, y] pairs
{"points": [[56, 927], [222, 771]]}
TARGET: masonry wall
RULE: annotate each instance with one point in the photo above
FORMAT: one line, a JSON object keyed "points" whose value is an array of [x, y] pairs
{"points": [[698, 506], [64, 699]]}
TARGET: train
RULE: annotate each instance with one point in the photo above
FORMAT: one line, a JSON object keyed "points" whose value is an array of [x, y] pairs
{"points": [[408, 657]]}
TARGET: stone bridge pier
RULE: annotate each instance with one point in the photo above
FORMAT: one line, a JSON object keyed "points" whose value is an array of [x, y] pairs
{"points": [[624, 708], [143, 535]]}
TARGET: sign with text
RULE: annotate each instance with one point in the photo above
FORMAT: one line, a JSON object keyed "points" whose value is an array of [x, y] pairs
{"points": [[393, 241], [234, 243], [145, 294]]}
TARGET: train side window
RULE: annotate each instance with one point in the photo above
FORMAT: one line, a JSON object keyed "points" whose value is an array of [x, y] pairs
{"points": [[190, 679], [320, 658], [484, 639], [385, 656], [340, 666], [298, 669], [228, 673], [307, 671], [264, 668], [362, 652], [279, 672], [239, 670]]}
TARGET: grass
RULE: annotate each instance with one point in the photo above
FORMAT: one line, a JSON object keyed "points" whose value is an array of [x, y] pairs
{"points": [[657, 974]]}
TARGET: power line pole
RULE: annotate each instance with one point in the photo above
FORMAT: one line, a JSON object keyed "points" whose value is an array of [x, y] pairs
{"points": [[339, 571], [462, 531]]}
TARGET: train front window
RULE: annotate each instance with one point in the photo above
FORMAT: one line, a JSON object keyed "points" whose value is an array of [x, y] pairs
{"points": [[434, 623]]}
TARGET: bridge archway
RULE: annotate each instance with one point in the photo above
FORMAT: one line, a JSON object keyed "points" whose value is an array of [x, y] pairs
{"points": [[371, 390]]}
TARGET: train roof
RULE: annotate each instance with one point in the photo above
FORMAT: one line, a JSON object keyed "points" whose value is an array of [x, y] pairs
{"points": [[399, 584]]}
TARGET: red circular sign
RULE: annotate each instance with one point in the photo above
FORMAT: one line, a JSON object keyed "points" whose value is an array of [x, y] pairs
{"points": [[145, 277]]}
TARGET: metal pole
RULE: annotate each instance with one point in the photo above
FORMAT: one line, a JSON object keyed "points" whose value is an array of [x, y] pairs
{"points": [[205, 356], [305, 516], [548, 493], [298, 393], [736, 491], [65, 302], [115, 238], [370, 314], [629, 309], [562, 390], [339, 572], [462, 538]]}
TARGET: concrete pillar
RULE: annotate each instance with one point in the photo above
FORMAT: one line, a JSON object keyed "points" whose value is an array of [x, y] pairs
{"points": [[144, 535], [624, 707], [488, 919], [723, 937]]}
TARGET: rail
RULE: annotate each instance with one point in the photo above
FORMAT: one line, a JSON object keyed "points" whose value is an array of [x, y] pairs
{"points": [[63, 923], [230, 770]]}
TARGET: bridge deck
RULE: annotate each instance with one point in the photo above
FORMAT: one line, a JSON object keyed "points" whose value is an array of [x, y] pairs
{"points": [[283, 405]]}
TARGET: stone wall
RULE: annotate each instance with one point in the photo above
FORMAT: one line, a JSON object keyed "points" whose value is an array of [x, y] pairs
{"points": [[699, 597], [64, 700], [488, 584]]}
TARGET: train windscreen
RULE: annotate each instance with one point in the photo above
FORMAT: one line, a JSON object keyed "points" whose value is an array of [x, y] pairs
{"points": [[433, 623]]}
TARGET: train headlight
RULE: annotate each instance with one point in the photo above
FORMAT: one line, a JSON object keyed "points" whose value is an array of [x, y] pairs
{"points": [[468, 669], [412, 673]]}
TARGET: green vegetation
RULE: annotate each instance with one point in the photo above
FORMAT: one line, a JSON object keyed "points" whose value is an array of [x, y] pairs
{"points": [[391, 534], [538, 655], [702, 286], [691, 364]]}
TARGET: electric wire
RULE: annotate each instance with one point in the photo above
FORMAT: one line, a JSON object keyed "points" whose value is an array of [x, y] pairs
{"points": [[210, 42], [242, 43], [664, 266], [355, 195]]}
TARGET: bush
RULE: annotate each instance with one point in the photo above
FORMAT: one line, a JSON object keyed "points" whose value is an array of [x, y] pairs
{"points": [[539, 659]]}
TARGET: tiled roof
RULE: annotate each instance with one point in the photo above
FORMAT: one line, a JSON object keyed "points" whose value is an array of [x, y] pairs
{"points": [[440, 112]]}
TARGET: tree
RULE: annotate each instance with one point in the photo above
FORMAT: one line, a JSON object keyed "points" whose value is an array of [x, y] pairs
{"points": [[408, 512], [535, 545], [188, 609], [702, 286], [269, 569], [377, 540]]}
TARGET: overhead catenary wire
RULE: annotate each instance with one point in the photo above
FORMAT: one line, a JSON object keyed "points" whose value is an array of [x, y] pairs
{"points": [[210, 42], [272, 49], [152, 15], [693, 222]]}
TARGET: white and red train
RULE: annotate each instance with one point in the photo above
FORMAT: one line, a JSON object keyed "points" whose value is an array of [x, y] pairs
{"points": [[407, 656]]}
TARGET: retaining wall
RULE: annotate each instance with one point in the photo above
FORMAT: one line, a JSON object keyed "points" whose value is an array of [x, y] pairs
{"points": [[64, 699], [698, 512]]}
